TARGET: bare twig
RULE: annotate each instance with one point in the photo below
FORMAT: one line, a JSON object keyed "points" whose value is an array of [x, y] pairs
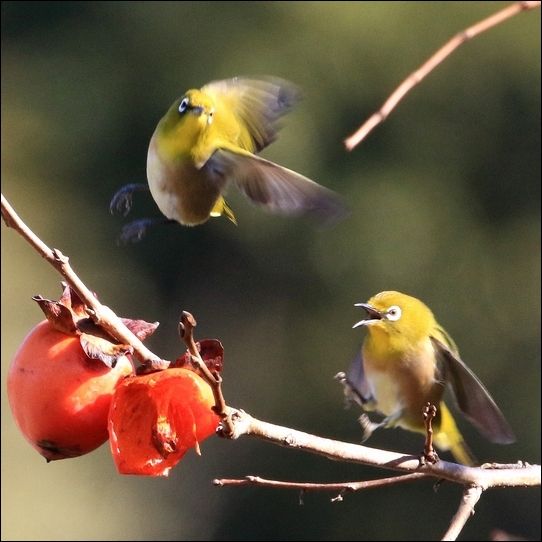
{"points": [[416, 77], [429, 412], [465, 511], [186, 331], [342, 487], [101, 314]]}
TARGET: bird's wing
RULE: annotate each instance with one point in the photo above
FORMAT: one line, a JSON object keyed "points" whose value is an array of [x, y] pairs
{"points": [[274, 187], [256, 106], [355, 383], [472, 397]]}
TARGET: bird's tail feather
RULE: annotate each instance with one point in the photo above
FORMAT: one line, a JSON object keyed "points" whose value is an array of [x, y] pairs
{"points": [[222, 208], [449, 438]]}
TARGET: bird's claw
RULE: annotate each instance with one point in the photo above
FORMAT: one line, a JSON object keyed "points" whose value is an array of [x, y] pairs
{"points": [[367, 427], [134, 231], [121, 202]]}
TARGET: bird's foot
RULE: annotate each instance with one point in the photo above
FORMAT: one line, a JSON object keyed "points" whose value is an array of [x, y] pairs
{"points": [[134, 231], [367, 426], [121, 202]]}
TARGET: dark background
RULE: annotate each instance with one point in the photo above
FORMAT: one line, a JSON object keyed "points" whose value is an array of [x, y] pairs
{"points": [[445, 200]]}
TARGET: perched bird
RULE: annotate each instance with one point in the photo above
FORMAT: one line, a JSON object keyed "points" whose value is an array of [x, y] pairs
{"points": [[406, 361], [208, 139]]}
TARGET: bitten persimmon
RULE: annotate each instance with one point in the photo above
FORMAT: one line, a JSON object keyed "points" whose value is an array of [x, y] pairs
{"points": [[58, 395], [156, 418]]}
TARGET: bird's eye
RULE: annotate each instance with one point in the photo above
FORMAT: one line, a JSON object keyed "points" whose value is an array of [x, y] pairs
{"points": [[393, 313], [183, 106]]}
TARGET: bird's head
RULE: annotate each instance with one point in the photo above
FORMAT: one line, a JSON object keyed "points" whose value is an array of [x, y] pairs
{"points": [[196, 105], [397, 315], [187, 117]]}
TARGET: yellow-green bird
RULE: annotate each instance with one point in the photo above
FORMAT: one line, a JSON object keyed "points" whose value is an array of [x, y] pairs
{"points": [[208, 139], [407, 360]]}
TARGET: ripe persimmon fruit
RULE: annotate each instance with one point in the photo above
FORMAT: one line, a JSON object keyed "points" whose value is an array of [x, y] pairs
{"points": [[58, 395]]}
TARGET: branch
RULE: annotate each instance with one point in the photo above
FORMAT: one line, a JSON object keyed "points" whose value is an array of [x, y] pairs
{"points": [[99, 313], [522, 475], [186, 331], [476, 479], [466, 509], [341, 487], [416, 77], [429, 412]]}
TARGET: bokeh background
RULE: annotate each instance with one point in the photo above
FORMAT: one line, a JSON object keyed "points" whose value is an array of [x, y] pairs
{"points": [[445, 200]]}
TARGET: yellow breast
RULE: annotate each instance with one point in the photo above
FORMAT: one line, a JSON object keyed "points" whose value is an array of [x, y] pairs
{"points": [[402, 380]]}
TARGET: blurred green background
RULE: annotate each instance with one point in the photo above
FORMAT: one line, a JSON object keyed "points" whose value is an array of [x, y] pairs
{"points": [[445, 200]]}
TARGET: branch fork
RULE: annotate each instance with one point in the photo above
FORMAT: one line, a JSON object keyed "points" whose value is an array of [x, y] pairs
{"points": [[186, 331]]}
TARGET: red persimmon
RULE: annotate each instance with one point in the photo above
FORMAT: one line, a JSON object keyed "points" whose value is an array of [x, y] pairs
{"points": [[156, 418], [59, 396]]}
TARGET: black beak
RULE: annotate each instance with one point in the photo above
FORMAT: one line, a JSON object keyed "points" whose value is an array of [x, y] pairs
{"points": [[371, 312]]}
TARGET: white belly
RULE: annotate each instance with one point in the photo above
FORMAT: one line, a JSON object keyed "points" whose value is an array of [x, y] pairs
{"points": [[385, 392], [160, 185]]}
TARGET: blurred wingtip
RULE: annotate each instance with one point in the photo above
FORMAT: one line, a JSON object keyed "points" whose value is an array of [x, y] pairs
{"points": [[330, 210], [287, 93]]}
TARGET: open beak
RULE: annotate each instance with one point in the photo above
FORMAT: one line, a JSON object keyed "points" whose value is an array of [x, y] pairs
{"points": [[372, 314]]}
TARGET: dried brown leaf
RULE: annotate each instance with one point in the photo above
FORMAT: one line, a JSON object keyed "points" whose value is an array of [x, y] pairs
{"points": [[102, 349]]}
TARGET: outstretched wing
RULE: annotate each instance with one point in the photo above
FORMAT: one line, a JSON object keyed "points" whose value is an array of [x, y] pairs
{"points": [[274, 187], [472, 397], [247, 110]]}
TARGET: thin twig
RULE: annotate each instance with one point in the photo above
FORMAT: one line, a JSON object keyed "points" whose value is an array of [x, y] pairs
{"points": [[100, 314], [429, 412], [186, 331], [306, 486], [466, 509], [416, 77]]}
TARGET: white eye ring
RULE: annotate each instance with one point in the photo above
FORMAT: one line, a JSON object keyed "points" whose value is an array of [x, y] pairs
{"points": [[183, 106], [393, 313], [210, 116]]}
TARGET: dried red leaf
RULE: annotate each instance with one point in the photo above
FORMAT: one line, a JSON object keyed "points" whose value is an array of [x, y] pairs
{"points": [[156, 418], [211, 352], [140, 328], [58, 314], [103, 350], [72, 301], [69, 315]]}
